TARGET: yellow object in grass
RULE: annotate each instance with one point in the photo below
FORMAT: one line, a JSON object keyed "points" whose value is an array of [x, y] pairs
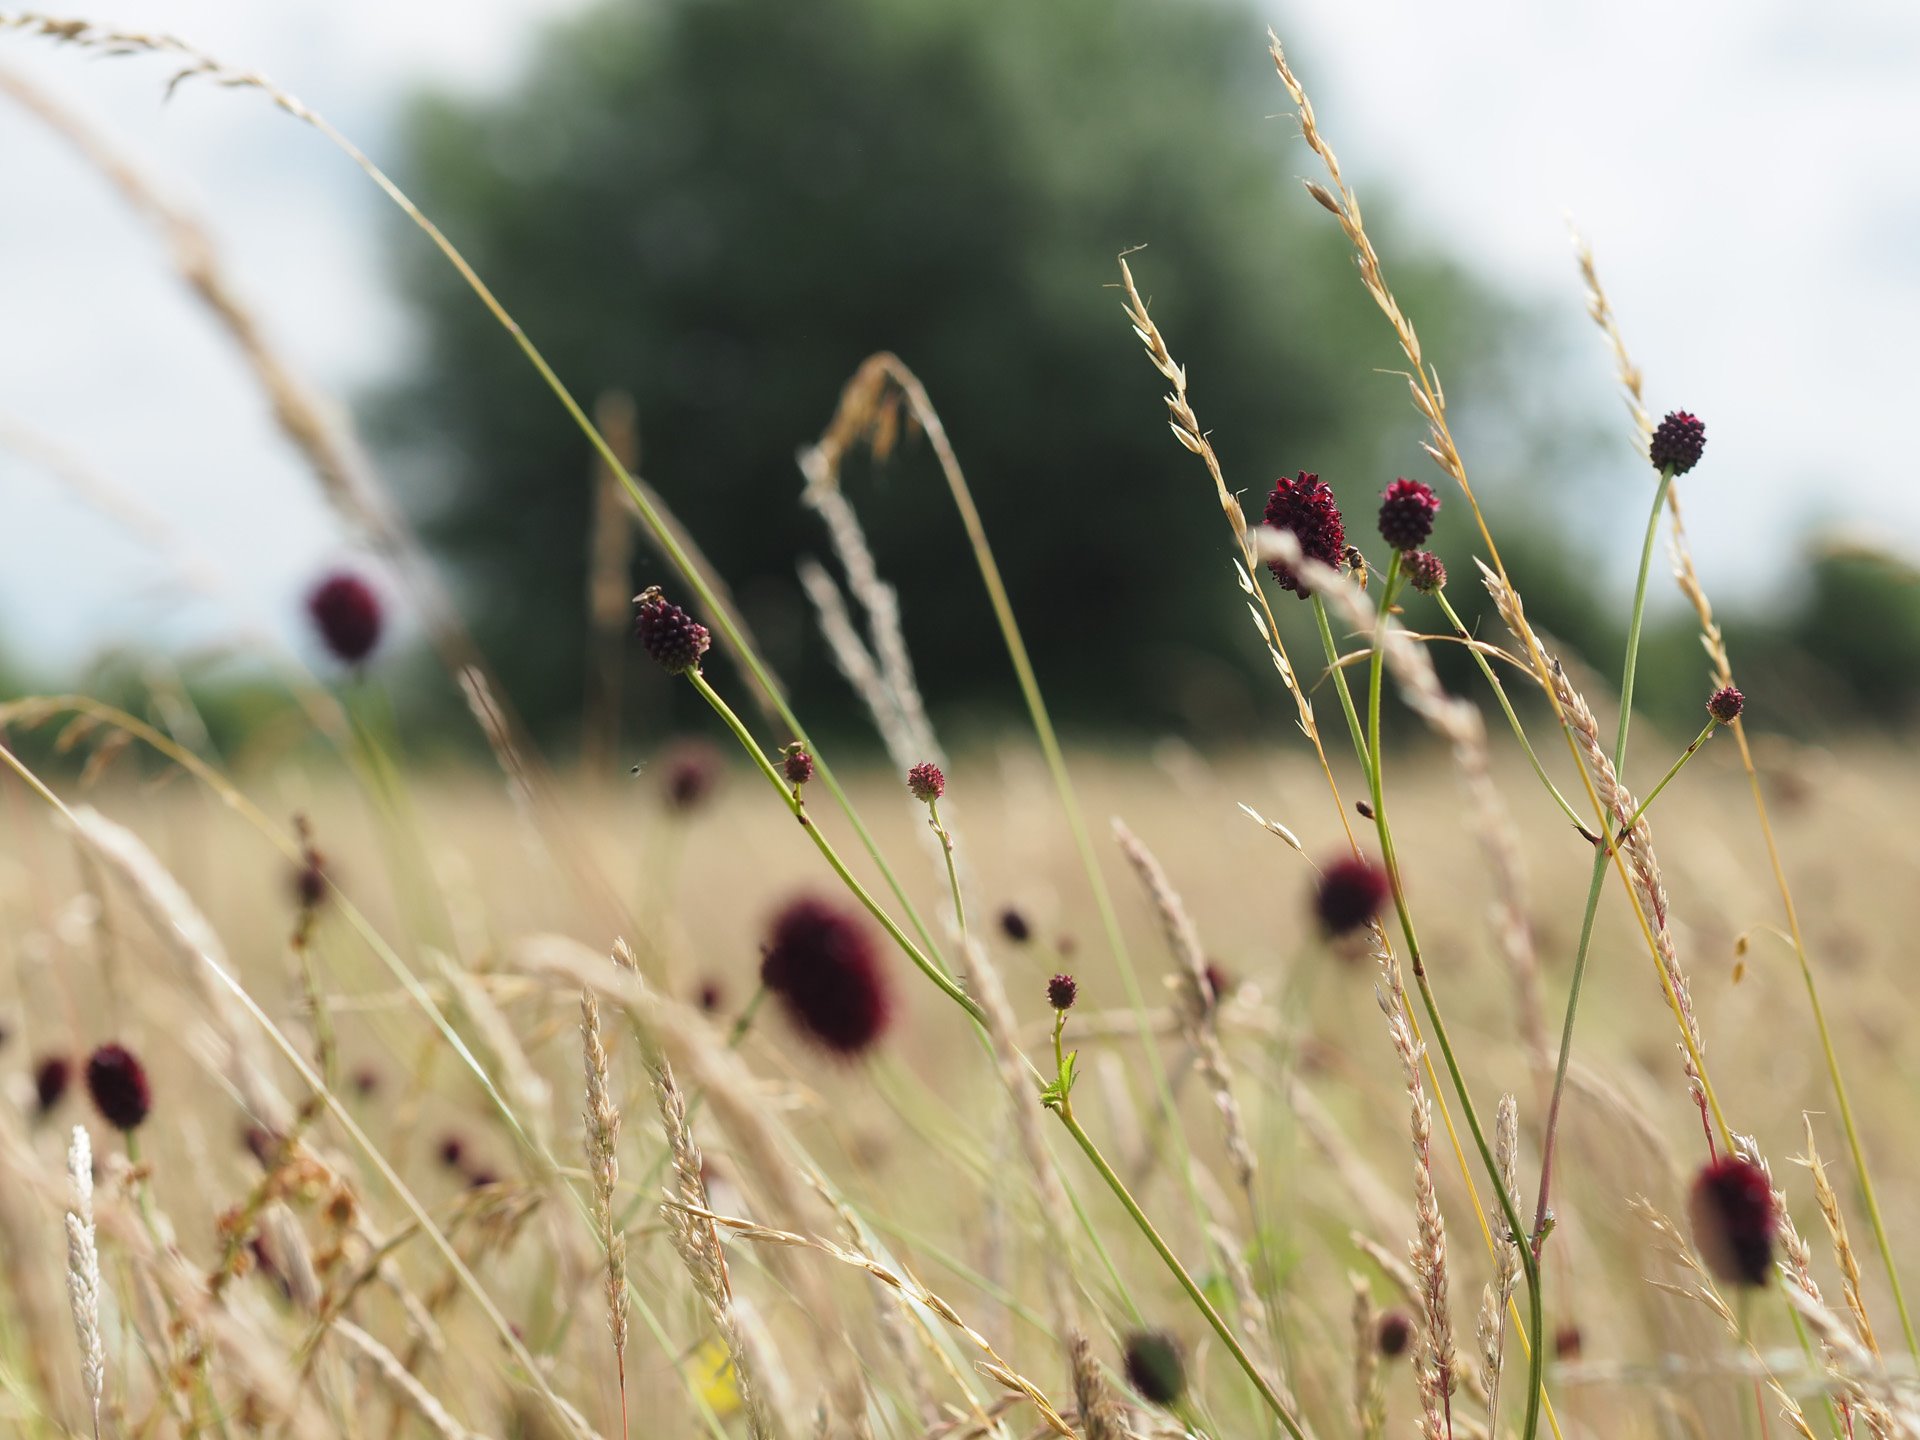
{"points": [[713, 1377]]}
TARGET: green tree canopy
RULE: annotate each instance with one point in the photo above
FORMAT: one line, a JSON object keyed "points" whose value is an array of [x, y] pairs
{"points": [[721, 206]]}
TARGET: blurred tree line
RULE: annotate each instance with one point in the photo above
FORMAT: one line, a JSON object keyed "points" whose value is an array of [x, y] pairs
{"points": [[719, 207]]}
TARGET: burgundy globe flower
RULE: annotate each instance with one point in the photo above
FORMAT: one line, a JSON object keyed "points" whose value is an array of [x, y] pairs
{"points": [[1154, 1366], [1678, 442], [347, 613], [797, 765], [1394, 1334], [1731, 1207], [1219, 983], [1062, 991], [1349, 894], [1567, 1342], [1406, 514], [1726, 705], [1013, 925], [1424, 571], [822, 965], [674, 639], [710, 996], [926, 782], [690, 774], [51, 1077], [118, 1083], [1306, 508]]}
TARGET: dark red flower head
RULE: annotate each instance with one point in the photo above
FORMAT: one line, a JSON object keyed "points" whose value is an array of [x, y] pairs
{"points": [[926, 782], [1219, 983], [1424, 571], [1062, 991], [50, 1080], [1734, 1221], [691, 773], [1567, 1342], [1726, 705], [1678, 442], [822, 964], [1305, 507], [118, 1083], [1350, 893], [1406, 514], [366, 1082], [347, 613], [710, 996], [1013, 925], [1395, 1334], [1154, 1367], [674, 639], [797, 764], [453, 1152]]}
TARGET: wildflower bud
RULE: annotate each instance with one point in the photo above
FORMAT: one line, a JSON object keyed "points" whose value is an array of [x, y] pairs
{"points": [[1407, 509], [822, 965], [1394, 1335], [453, 1152], [50, 1080], [118, 1083], [1349, 894], [1567, 1342], [1062, 991], [1154, 1367], [1731, 1208], [1219, 984], [1305, 507], [673, 638], [1014, 926], [1678, 442], [1726, 705], [366, 1082], [347, 613], [710, 996], [797, 766], [1424, 571], [926, 782]]}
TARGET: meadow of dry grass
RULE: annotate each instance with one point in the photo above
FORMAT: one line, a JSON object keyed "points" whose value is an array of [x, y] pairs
{"points": [[504, 1102]]}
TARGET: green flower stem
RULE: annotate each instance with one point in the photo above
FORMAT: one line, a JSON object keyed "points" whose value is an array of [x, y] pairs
{"points": [[1597, 880], [913, 952], [1199, 1297], [953, 873], [1513, 719], [1620, 835], [1369, 748]]}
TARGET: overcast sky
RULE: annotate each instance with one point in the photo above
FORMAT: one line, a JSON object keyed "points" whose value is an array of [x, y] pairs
{"points": [[1748, 173]]}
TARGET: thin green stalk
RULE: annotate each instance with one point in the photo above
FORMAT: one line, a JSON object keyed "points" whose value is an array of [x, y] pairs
{"points": [[1376, 789], [1602, 854], [1513, 719], [1194, 1293], [1685, 755], [825, 846], [953, 872]]}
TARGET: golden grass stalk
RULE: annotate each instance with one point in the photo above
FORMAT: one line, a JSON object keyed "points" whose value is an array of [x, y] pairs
{"points": [[907, 1285], [1435, 1362], [698, 1243], [602, 1125], [404, 1385], [1186, 429], [1196, 1004], [1843, 1252], [83, 1272], [1368, 1396], [1499, 1291]]}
